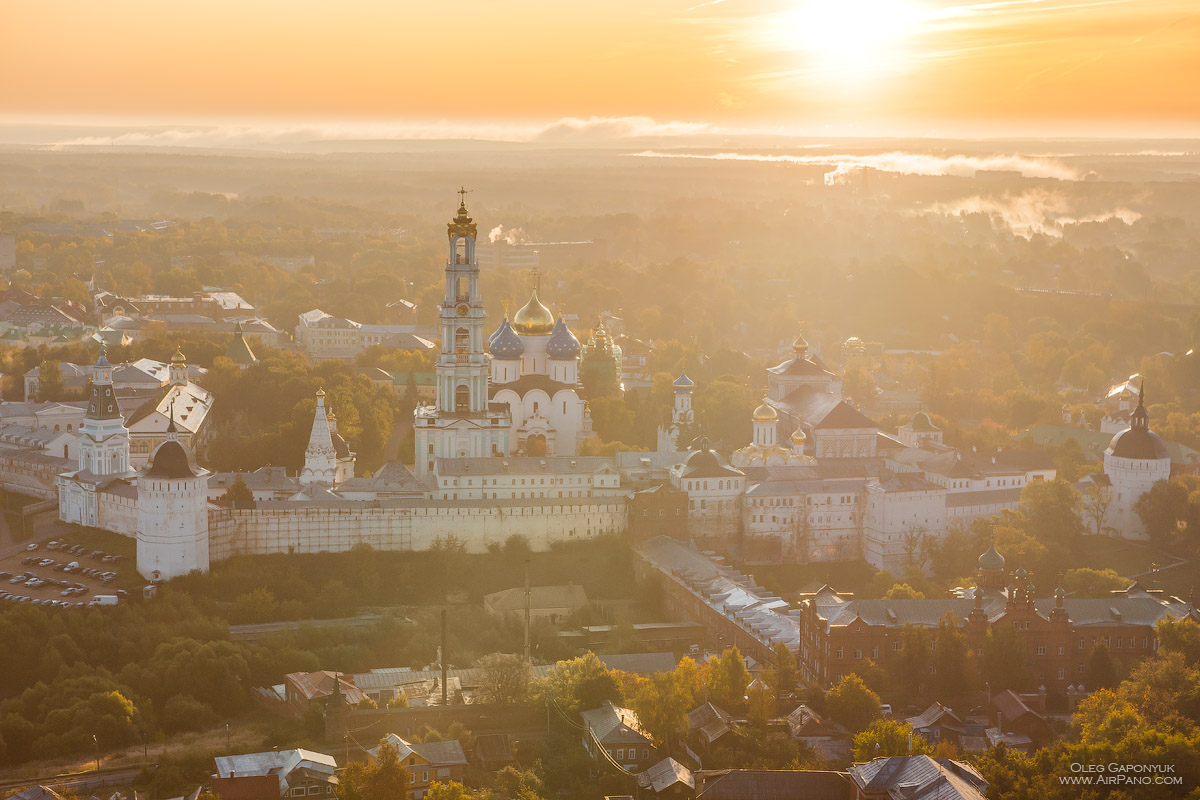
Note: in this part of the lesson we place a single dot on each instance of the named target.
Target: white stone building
(103, 453)
(1135, 460)
(682, 415)
(172, 512)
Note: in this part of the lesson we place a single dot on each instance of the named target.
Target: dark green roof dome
(991, 560)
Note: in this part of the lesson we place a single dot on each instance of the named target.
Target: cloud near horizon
(566, 129)
(900, 162)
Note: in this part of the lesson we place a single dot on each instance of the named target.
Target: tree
(579, 684)
(448, 791)
(1180, 636)
(661, 705)
(50, 381)
(728, 678)
(505, 678)
(851, 703)
(783, 674)
(382, 778)
(1094, 504)
(1162, 508)
(760, 702)
(902, 591)
(1003, 663)
(238, 495)
(1102, 672)
(1087, 582)
(951, 658)
(917, 548)
(399, 701)
(1051, 511)
(886, 738)
(911, 664)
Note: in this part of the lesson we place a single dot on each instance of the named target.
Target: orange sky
(732, 63)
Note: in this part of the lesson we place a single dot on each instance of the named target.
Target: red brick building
(838, 633)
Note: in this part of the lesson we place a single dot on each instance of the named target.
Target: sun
(852, 38)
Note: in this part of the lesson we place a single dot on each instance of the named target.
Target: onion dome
(102, 359)
(173, 461)
(562, 344)
(764, 413)
(534, 319)
(683, 382)
(798, 437)
(1029, 590)
(505, 344)
(1139, 442)
(1060, 592)
(178, 357)
(800, 345)
(1021, 574)
(922, 422)
(991, 560)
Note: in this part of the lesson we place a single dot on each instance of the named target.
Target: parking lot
(62, 574)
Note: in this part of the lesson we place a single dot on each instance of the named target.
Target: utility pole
(528, 604)
(445, 693)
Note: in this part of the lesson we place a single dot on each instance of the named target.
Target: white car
(32, 546)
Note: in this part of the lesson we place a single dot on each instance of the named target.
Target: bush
(185, 713)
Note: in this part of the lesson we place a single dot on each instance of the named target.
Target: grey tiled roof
(615, 725)
(924, 778)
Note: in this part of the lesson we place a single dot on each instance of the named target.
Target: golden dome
(178, 357)
(534, 319)
(798, 437)
(764, 413)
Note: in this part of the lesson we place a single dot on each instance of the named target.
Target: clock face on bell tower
(463, 309)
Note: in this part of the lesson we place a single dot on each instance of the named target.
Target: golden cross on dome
(536, 274)
(462, 193)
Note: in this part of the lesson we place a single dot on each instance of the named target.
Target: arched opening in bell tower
(462, 340)
(462, 398)
(461, 251)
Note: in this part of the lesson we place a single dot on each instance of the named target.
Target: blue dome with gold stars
(562, 344)
(505, 343)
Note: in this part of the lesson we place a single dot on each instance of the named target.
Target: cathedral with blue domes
(535, 374)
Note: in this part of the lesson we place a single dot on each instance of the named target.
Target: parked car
(32, 546)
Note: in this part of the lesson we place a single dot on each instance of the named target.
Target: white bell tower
(681, 415)
(462, 424)
(104, 439)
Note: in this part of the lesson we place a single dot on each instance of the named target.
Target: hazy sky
(1112, 66)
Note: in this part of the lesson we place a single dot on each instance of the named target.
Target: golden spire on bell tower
(462, 224)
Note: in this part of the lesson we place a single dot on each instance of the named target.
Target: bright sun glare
(854, 38)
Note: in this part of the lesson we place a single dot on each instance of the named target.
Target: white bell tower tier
(681, 415)
(462, 424)
(104, 439)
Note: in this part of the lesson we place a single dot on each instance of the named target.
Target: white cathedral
(519, 396)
